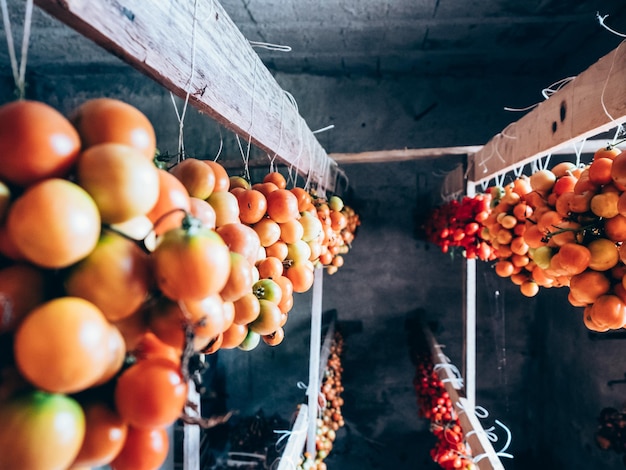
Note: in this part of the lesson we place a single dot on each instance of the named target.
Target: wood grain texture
(194, 48)
(473, 431)
(592, 103)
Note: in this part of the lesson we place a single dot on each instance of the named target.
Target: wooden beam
(473, 431)
(400, 155)
(194, 47)
(592, 103)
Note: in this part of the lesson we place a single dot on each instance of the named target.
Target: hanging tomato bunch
(330, 402)
(115, 271)
(458, 224)
(434, 404)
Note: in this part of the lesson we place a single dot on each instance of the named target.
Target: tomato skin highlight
(151, 393)
(40, 431)
(54, 223)
(36, 142)
(191, 263)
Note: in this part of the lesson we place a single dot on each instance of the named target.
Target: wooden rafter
(195, 48)
(592, 103)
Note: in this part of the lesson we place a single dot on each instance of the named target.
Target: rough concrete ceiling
(388, 37)
(430, 37)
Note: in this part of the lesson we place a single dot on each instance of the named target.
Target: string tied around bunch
(18, 69)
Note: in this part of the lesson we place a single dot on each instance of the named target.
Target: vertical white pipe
(314, 360)
(470, 322)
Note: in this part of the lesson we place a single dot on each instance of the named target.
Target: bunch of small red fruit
(458, 223)
(434, 404)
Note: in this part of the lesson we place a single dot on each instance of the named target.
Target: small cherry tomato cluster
(331, 403)
(611, 431)
(434, 404)
(457, 224)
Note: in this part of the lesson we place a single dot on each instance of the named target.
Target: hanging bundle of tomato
(458, 224)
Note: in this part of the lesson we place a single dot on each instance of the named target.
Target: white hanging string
(19, 70)
(606, 82)
(181, 115)
(578, 151)
(546, 93)
(603, 24)
(269, 46)
(324, 129)
(518, 171)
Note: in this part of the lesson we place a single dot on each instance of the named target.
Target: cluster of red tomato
(457, 224)
(563, 227)
(331, 403)
(114, 271)
(434, 404)
(611, 431)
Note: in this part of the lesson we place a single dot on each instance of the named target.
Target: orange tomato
(268, 320)
(116, 276)
(144, 449)
(150, 394)
(252, 205)
(303, 196)
(589, 285)
(241, 239)
(270, 267)
(282, 205)
(301, 277)
(275, 338)
(105, 433)
(234, 336)
(268, 231)
(226, 208)
(277, 178)
(191, 262)
(102, 120)
(222, 180)
(122, 182)
(54, 223)
(247, 309)
(36, 142)
(75, 345)
(197, 177)
(171, 205)
(202, 210)
(240, 279)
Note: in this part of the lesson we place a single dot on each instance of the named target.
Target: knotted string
(19, 71)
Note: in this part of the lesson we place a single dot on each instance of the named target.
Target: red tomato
(36, 142)
(22, 288)
(151, 393)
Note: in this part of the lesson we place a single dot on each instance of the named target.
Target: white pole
(470, 322)
(314, 361)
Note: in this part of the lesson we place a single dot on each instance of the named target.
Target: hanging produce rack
(194, 50)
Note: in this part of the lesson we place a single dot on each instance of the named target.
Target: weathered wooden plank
(400, 155)
(194, 47)
(592, 103)
(474, 433)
